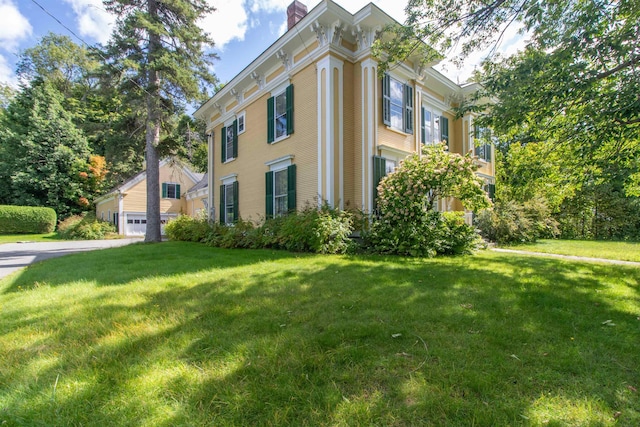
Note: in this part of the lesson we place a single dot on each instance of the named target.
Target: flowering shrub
(407, 222)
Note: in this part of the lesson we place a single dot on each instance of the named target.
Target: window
(280, 191)
(389, 166)
(241, 121)
(280, 115)
(170, 190)
(379, 171)
(435, 127)
(229, 142)
(229, 203)
(490, 189)
(397, 104)
(482, 136)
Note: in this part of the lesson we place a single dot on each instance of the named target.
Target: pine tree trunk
(153, 137)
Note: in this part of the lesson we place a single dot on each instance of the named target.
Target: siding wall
(254, 151)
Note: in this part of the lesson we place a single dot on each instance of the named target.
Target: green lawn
(182, 334)
(13, 238)
(626, 251)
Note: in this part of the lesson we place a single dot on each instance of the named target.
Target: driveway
(14, 256)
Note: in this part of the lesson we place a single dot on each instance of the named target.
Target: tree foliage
(157, 50)
(565, 110)
(44, 157)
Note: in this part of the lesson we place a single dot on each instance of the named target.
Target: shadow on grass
(122, 265)
(490, 340)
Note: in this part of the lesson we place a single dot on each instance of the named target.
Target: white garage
(136, 224)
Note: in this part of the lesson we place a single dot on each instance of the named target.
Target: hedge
(26, 220)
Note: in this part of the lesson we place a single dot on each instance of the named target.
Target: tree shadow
(375, 340)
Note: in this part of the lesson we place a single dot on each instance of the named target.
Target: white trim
(370, 117)
(229, 179)
(280, 162)
(280, 88)
(329, 64)
(393, 151)
(190, 195)
(243, 115)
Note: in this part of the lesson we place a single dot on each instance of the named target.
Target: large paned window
(229, 142)
(170, 190)
(280, 115)
(397, 104)
(229, 203)
(280, 191)
(435, 127)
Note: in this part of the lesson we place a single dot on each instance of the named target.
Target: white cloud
(93, 20)
(6, 73)
(227, 23)
(13, 25)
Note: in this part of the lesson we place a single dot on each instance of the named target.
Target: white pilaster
(369, 129)
(330, 131)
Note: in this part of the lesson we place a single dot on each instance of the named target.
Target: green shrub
(85, 227)
(430, 234)
(188, 229)
(26, 220)
(513, 222)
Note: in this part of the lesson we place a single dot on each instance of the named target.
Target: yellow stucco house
(182, 191)
(310, 121)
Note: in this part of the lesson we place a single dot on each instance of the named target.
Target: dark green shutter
(386, 100)
(291, 188)
(269, 194)
(271, 131)
(235, 139)
(236, 210)
(487, 152)
(476, 131)
(408, 109)
(177, 191)
(223, 145)
(289, 99)
(492, 191)
(423, 130)
(379, 171)
(164, 190)
(444, 129)
(222, 207)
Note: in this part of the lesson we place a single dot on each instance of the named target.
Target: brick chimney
(295, 12)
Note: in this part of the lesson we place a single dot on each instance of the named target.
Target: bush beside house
(26, 220)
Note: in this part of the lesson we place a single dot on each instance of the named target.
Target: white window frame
(433, 124)
(242, 122)
(228, 181)
(283, 94)
(280, 164)
(228, 125)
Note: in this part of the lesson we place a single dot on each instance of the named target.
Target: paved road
(14, 256)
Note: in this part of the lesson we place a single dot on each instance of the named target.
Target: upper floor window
(241, 122)
(434, 127)
(280, 115)
(229, 142)
(397, 104)
(170, 190)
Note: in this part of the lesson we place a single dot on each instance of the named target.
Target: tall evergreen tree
(44, 157)
(158, 49)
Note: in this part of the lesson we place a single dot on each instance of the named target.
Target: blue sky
(241, 29)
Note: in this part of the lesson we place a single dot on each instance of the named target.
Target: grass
(182, 334)
(625, 251)
(13, 238)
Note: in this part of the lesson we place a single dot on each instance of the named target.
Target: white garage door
(136, 225)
